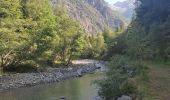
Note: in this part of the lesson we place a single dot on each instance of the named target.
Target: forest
(147, 39)
(33, 37)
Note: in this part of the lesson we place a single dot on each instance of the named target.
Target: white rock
(124, 98)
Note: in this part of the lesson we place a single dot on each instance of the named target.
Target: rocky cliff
(93, 15)
(126, 8)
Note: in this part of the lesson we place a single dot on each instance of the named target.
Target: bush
(120, 78)
(129, 87)
(22, 68)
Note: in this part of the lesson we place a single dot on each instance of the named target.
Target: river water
(73, 89)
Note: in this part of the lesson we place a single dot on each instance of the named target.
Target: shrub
(120, 78)
(129, 87)
(22, 68)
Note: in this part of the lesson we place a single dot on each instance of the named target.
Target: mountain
(93, 15)
(126, 8)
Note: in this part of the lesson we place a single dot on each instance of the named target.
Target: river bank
(12, 81)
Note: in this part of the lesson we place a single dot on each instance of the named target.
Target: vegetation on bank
(34, 36)
(158, 85)
(122, 78)
(146, 39)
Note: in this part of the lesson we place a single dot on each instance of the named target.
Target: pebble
(52, 75)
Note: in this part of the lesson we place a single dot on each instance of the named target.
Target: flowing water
(73, 89)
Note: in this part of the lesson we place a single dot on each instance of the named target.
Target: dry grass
(159, 82)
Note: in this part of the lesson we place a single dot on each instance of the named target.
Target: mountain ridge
(125, 8)
(94, 15)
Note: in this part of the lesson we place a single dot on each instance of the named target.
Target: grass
(143, 81)
(157, 87)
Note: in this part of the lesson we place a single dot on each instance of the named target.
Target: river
(73, 89)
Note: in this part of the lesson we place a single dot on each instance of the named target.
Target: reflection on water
(73, 89)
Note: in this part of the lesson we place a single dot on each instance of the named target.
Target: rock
(98, 66)
(99, 8)
(168, 55)
(79, 72)
(70, 69)
(52, 75)
(124, 98)
(62, 98)
(98, 98)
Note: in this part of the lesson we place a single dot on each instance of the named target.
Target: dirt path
(159, 84)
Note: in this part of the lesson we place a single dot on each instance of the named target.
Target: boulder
(124, 98)
(79, 72)
(62, 98)
(168, 55)
(98, 65)
(98, 98)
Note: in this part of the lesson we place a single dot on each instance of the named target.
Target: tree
(148, 32)
(120, 78)
(27, 31)
(12, 30)
(70, 33)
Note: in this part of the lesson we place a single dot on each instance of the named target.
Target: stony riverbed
(52, 75)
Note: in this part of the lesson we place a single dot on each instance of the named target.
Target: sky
(113, 1)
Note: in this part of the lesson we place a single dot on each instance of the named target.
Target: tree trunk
(2, 64)
(69, 60)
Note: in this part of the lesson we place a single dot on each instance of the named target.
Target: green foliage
(13, 31)
(22, 68)
(44, 34)
(148, 34)
(129, 87)
(115, 43)
(95, 46)
(147, 37)
(71, 41)
(120, 78)
(31, 31)
(138, 44)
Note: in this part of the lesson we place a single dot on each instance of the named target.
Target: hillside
(126, 8)
(93, 15)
